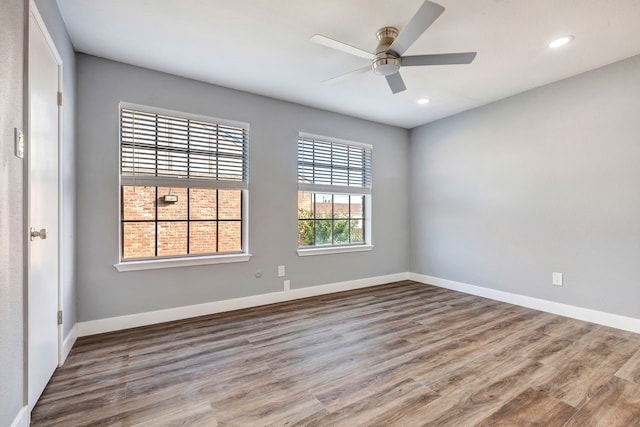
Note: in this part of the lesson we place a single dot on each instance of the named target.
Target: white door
(43, 187)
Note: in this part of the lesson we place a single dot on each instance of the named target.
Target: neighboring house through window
(183, 185)
(334, 194)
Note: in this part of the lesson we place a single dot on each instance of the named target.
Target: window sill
(334, 250)
(153, 264)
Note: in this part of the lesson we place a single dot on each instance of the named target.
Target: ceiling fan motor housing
(386, 61)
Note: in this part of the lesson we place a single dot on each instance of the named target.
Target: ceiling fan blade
(438, 59)
(424, 17)
(395, 82)
(345, 76)
(334, 44)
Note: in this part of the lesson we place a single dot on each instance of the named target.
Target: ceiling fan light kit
(392, 44)
(386, 64)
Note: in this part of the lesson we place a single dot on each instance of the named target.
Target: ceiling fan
(392, 44)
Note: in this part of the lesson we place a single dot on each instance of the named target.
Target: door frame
(33, 11)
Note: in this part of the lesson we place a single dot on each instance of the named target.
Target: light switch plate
(556, 278)
(281, 271)
(19, 138)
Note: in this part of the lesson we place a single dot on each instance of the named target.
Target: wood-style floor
(400, 354)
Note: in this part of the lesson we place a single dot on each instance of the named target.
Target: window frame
(187, 259)
(338, 190)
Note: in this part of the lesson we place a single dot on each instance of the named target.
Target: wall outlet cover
(556, 279)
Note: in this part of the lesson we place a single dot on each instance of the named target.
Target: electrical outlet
(287, 285)
(556, 278)
(281, 271)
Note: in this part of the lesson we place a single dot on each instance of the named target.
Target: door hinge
(60, 317)
(60, 99)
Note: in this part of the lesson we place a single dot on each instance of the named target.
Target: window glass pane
(341, 232)
(138, 203)
(305, 233)
(139, 239)
(172, 210)
(202, 203)
(323, 205)
(324, 231)
(202, 237)
(356, 178)
(357, 203)
(230, 237)
(229, 204)
(357, 231)
(341, 206)
(202, 165)
(305, 205)
(322, 174)
(172, 164)
(172, 238)
(336, 219)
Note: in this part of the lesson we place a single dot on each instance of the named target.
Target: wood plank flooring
(401, 354)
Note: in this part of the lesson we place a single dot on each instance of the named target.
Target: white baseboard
(22, 419)
(68, 342)
(111, 324)
(580, 313)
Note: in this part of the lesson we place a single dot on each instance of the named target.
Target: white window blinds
(333, 166)
(160, 149)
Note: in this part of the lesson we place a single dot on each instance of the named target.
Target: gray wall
(12, 367)
(55, 25)
(103, 292)
(544, 181)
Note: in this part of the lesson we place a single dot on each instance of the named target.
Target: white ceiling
(263, 47)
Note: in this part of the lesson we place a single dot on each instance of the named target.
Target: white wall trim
(70, 339)
(23, 418)
(580, 313)
(99, 326)
(333, 250)
(180, 262)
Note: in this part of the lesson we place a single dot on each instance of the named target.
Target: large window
(183, 185)
(334, 192)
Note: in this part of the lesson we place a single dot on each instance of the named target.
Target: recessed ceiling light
(561, 41)
(423, 101)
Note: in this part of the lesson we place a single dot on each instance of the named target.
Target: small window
(183, 185)
(334, 192)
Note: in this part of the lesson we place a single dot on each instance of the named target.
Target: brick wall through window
(201, 221)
